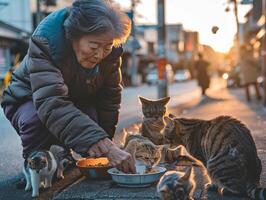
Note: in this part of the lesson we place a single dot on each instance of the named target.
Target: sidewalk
(223, 102)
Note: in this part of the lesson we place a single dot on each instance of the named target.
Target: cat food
(150, 171)
(97, 165)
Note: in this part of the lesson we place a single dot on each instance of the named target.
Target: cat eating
(146, 153)
(226, 148)
(175, 185)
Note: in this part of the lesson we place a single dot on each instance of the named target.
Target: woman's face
(91, 49)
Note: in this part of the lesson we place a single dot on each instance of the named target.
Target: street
(11, 161)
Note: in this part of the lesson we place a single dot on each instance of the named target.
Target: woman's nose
(99, 53)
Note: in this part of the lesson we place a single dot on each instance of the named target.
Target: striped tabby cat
(153, 113)
(175, 185)
(226, 148)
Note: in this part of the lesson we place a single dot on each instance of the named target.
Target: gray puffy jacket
(51, 76)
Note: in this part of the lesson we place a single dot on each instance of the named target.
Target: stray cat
(153, 113)
(146, 153)
(175, 185)
(226, 148)
(63, 159)
(39, 167)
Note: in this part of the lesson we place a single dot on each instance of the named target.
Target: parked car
(152, 76)
(182, 75)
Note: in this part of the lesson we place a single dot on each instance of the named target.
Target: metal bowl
(94, 168)
(136, 180)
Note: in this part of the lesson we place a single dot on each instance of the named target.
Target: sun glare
(195, 15)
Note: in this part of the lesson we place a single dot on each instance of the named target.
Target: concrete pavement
(222, 102)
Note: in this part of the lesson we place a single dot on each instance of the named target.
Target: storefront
(13, 44)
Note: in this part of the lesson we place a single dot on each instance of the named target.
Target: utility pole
(263, 52)
(38, 12)
(161, 52)
(134, 63)
(237, 31)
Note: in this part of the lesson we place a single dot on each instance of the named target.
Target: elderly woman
(67, 89)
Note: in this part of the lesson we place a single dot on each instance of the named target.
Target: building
(15, 28)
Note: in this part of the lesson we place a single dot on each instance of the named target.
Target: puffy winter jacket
(51, 76)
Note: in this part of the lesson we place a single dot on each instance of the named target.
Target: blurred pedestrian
(67, 89)
(249, 71)
(203, 78)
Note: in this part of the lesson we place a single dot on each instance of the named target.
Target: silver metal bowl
(136, 180)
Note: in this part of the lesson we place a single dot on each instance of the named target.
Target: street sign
(161, 63)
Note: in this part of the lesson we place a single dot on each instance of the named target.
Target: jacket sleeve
(109, 97)
(54, 108)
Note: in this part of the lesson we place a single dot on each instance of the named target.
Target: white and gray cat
(40, 167)
(176, 185)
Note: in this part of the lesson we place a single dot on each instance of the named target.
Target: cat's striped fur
(153, 113)
(176, 185)
(226, 148)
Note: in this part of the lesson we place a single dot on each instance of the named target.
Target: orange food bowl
(94, 168)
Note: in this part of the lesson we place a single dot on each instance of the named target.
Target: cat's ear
(144, 100)
(188, 174)
(164, 100)
(168, 120)
(171, 116)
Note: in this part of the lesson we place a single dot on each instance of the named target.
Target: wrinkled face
(91, 49)
(147, 154)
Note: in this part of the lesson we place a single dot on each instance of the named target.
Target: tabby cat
(146, 153)
(226, 148)
(175, 185)
(39, 167)
(153, 113)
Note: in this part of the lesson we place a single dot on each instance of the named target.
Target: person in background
(67, 90)
(203, 78)
(249, 71)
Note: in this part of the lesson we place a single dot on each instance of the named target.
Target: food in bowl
(94, 168)
(141, 179)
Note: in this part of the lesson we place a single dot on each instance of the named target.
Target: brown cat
(226, 148)
(153, 113)
(176, 185)
(146, 153)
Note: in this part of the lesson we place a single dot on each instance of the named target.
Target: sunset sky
(195, 15)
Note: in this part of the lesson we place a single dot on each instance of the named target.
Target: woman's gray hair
(96, 17)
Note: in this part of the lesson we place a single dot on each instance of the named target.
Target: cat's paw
(28, 187)
(60, 176)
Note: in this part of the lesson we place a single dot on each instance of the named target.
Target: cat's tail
(255, 192)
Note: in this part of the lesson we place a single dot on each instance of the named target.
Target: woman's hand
(100, 148)
(118, 158)
(121, 159)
